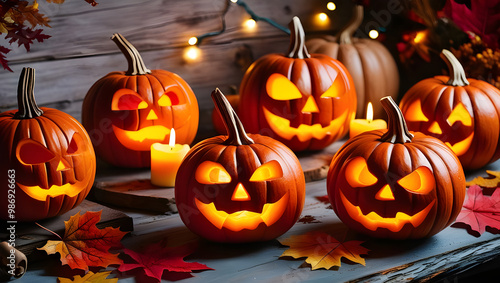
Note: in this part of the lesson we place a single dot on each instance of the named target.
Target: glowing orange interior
(414, 112)
(310, 106)
(461, 147)
(420, 181)
(279, 87)
(460, 113)
(373, 221)
(126, 99)
(210, 172)
(385, 194)
(244, 219)
(336, 90)
(357, 174)
(240, 194)
(268, 171)
(435, 129)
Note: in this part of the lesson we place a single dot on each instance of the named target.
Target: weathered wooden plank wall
(80, 50)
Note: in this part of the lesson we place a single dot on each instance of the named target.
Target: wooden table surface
(446, 253)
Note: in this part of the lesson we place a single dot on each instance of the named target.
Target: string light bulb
(191, 54)
(373, 34)
(322, 16)
(331, 6)
(193, 40)
(250, 23)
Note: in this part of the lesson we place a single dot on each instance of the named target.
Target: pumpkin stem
(346, 34)
(297, 47)
(397, 131)
(28, 108)
(234, 127)
(457, 73)
(136, 65)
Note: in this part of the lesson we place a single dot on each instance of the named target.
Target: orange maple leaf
(492, 181)
(90, 277)
(84, 244)
(24, 12)
(322, 250)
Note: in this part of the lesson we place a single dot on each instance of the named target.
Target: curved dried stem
(26, 96)
(297, 47)
(397, 131)
(136, 65)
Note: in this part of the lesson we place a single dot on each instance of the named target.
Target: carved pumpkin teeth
(373, 221)
(281, 126)
(141, 140)
(237, 221)
(35, 192)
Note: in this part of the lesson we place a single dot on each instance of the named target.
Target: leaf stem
(48, 230)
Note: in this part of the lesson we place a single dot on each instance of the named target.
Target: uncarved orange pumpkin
(239, 187)
(126, 112)
(47, 158)
(371, 65)
(462, 112)
(304, 100)
(395, 183)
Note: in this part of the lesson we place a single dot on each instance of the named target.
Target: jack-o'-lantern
(370, 64)
(304, 100)
(395, 183)
(47, 157)
(463, 113)
(239, 188)
(126, 112)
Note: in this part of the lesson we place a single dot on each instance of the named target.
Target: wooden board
(136, 191)
(29, 236)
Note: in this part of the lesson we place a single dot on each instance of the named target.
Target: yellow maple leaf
(492, 181)
(322, 250)
(90, 277)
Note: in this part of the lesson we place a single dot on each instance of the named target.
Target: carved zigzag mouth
(372, 220)
(281, 126)
(243, 219)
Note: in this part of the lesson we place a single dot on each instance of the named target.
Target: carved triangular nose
(310, 106)
(240, 194)
(385, 193)
(152, 115)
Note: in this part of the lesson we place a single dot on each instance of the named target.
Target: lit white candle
(359, 126)
(165, 161)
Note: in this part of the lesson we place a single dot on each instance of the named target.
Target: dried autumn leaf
(156, 258)
(90, 277)
(29, 13)
(480, 211)
(492, 181)
(3, 60)
(84, 244)
(308, 219)
(322, 250)
(26, 36)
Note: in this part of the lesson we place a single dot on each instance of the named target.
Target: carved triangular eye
(126, 99)
(168, 99)
(30, 152)
(268, 171)
(212, 173)
(459, 113)
(420, 181)
(336, 90)
(280, 88)
(357, 174)
(414, 113)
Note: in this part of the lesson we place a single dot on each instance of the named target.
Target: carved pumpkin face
(455, 126)
(304, 100)
(147, 119)
(396, 184)
(232, 190)
(70, 163)
(126, 112)
(50, 156)
(383, 202)
(463, 113)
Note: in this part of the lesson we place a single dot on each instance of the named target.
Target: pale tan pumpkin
(370, 64)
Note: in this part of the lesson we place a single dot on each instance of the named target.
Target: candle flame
(369, 112)
(171, 141)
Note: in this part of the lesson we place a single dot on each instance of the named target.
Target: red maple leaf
(3, 60)
(84, 244)
(25, 36)
(480, 212)
(156, 258)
